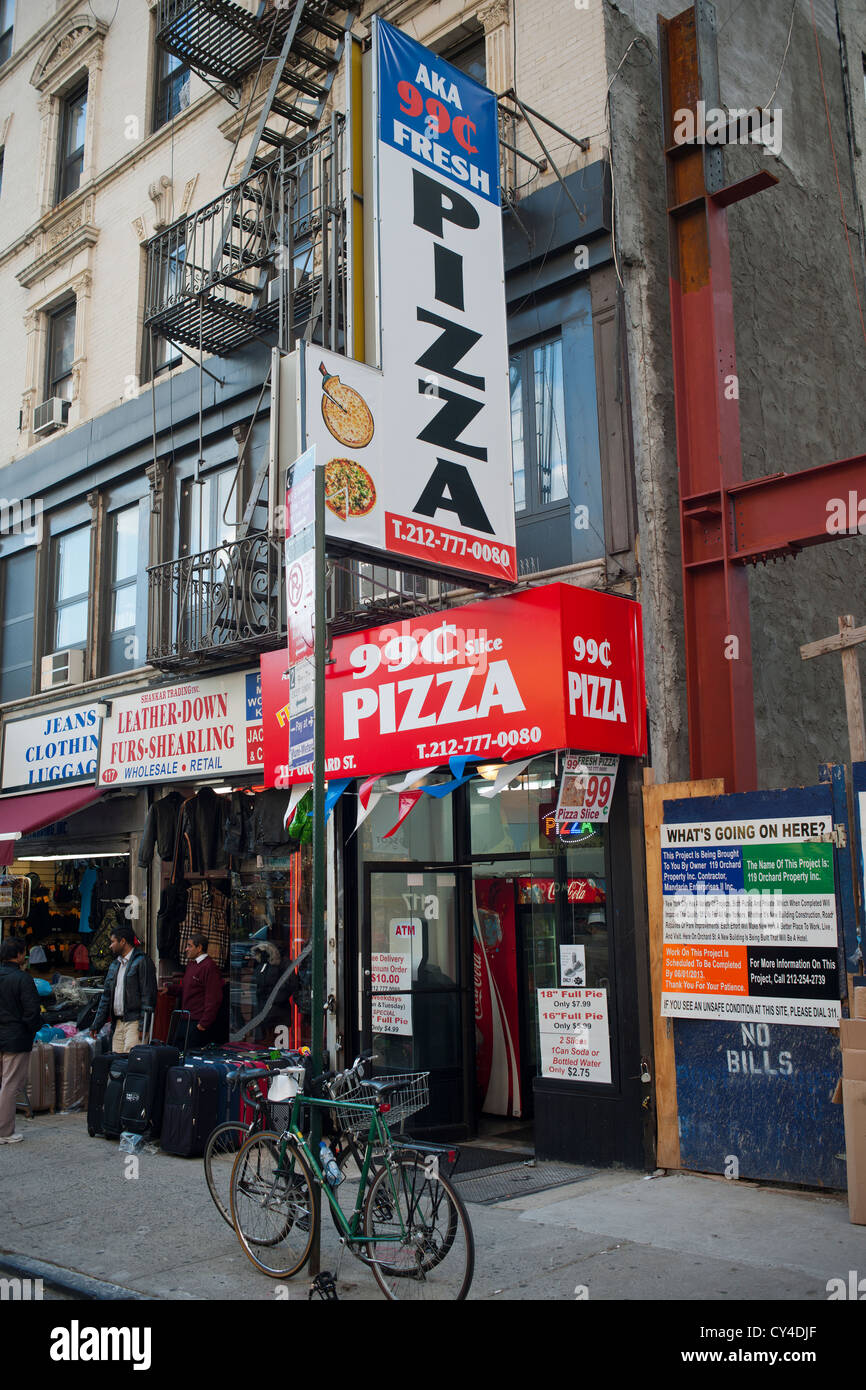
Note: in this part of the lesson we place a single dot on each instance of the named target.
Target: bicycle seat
(384, 1088)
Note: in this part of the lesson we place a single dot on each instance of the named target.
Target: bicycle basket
(412, 1096)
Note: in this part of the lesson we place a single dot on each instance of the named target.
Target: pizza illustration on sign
(349, 489)
(345, 412)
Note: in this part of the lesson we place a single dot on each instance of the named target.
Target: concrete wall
(800, 357)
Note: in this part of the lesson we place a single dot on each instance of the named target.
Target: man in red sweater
(201, 991)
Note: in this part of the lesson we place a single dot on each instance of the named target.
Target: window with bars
(73, 127)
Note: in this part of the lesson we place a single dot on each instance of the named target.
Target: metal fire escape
(266, 260)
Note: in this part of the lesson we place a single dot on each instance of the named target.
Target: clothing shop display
(207, 911)
(203, 822)
(268, 827)
(160, 829)
(239, 825)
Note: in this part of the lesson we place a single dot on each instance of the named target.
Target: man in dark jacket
(130, 990)
(19, 1023)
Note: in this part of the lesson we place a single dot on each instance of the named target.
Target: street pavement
(69, 1201)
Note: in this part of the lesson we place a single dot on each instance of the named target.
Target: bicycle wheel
(420, 1239)
(272, 1204)
(219, 1156)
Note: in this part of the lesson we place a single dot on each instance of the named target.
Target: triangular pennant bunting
(405, 804)
(505, 775)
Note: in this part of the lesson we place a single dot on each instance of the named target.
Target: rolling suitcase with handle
(113, 1098)
(40, 1082)
(191, 1108)
(144, 1087)
(72, 1074)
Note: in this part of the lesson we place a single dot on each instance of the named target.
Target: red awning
(21, 814)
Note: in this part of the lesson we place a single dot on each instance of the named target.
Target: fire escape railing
(224, 601)
(213, 277)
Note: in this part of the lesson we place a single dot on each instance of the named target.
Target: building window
(538, 442)
(71, 589)
(204, 508)
(7, 17)
(124, 532)
(469, 55)
(16, 625)
(73, 124)
(171, 92)
(61, 353)
(165, 287)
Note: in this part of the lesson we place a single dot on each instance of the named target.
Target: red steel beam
(715, 589)
(781, 514)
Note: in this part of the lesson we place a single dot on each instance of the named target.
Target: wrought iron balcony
(224, 602)
(213, 277)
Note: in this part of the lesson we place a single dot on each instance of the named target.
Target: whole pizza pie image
(345, 412)
(349, 489)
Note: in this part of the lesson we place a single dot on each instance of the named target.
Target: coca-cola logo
(110, 774)
(477, 977)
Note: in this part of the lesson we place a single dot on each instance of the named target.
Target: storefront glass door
(412, 981)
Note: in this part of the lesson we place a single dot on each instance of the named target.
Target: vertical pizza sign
(419, 454)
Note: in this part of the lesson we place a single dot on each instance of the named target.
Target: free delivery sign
(444, 456)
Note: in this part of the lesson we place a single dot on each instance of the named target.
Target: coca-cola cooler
(528, 932)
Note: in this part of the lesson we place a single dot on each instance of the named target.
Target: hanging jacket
(160, 828)
(203, 830)
(268, 827)
(239, 825)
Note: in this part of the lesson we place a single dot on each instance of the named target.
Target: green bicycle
(407, 1222)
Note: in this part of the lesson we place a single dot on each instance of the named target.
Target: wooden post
(849, 637)
(667, 1115)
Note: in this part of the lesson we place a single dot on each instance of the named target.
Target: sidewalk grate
(517, 1180)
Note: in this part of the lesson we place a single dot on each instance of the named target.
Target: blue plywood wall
(754, 1100)
(760, 1093)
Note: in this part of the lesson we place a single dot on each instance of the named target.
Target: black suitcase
(99, 1073)
(113, 1099)
(191, 1109)
(144, 1088)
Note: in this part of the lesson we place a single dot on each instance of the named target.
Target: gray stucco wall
(801, 361)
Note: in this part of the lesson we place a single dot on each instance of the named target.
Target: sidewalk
(64, 1199)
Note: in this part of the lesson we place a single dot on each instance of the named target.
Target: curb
(69, 1280)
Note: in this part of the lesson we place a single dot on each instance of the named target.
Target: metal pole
(318, 924)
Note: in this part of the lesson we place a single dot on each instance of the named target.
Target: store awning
(21, 814)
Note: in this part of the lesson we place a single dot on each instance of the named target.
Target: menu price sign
(575, 1039)
(586, 789)
(392, 1013)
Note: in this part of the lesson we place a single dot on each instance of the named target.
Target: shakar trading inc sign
(204, 728)
(418, 457)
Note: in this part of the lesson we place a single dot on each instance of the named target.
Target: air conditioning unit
(50, 415)
(62, 668)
